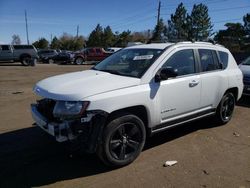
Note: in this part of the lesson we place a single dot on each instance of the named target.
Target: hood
(245, 69)
(79, 85)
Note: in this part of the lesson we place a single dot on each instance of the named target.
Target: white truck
(136, 92)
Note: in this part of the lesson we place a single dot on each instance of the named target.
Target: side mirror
(165, 73)
(220, 65)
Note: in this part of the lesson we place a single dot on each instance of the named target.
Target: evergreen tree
(108, 37)
(159, 32)
(42, 43)
(232, 37)
(95, 37)
(199, 23)
(55, 43)
(177, 25)
(246, 20)
(123, 38)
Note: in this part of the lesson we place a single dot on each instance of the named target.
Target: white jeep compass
(138, 90)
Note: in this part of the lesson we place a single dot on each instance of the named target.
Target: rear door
(5, 53)
(213, 78)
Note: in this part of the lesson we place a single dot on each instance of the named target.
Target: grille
(46, 107)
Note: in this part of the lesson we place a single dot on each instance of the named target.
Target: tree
(232, 37)
(199, 23)
(159, 31)
(123, 39)
(108, 37)
(79, 43)
(68, 42)
(42, 43)
(142, 36)
(95, 37)
(16, 39)
(55, 43)
(177, 25)
(246, 20)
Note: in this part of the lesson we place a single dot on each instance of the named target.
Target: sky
(48, 18)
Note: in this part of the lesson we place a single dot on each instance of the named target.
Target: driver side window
(182, 61)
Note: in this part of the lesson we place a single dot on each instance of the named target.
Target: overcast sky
(47, 17)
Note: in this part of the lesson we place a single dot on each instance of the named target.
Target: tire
(51, 61)
(79, 61)
(225, 109)
(25, 60)
(123, 140)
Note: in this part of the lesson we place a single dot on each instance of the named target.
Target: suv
(136, 92)
(46, 56)
(14, 53)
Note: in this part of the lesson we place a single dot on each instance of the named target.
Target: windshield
(129, 62)
(246, 61)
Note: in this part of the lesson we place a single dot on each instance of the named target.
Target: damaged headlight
(70, 109)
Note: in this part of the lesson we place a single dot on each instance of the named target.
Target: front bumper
(87, 129)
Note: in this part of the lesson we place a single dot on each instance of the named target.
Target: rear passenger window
(223, 58)
(207, 60)
(183, 61)
(5, 47)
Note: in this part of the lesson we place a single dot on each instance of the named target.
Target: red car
(91, 54)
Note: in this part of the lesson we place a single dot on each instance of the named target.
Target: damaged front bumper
(87, 128)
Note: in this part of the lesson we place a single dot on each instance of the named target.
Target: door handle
(193, 83)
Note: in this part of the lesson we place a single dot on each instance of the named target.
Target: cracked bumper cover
(87, 128)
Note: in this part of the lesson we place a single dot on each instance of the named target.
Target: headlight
(70, 109)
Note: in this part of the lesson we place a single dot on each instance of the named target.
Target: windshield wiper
(111, 71)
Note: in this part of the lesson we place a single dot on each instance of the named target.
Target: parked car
(138, 90)
(46, 55)
(91, 54)
(64, 57)
(245, 68)
(113, 49)
(18, 53)
(56, 56)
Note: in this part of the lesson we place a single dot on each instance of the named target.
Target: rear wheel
(225, 109)
(79, 61)
(25, 60)
(123, 140)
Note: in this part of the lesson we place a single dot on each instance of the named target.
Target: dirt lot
(207, 155)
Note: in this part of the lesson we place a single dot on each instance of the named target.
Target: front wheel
(79, 61)
(51, 61)
(225, 109)
(123, 139)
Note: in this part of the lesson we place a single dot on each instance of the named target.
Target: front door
(180, 96)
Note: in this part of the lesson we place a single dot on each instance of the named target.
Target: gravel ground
(207, 155)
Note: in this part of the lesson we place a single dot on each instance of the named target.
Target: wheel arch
(138, 110)
(234, 91)
(24, 55)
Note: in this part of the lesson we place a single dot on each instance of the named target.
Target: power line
(134, 22)
(229, 20)
(232, 8)
(191, 4)
(220, 10)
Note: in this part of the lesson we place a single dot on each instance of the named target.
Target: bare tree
(16, 39)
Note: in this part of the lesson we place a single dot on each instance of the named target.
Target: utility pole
(159, 12)
(27, 33)
(77, 31)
